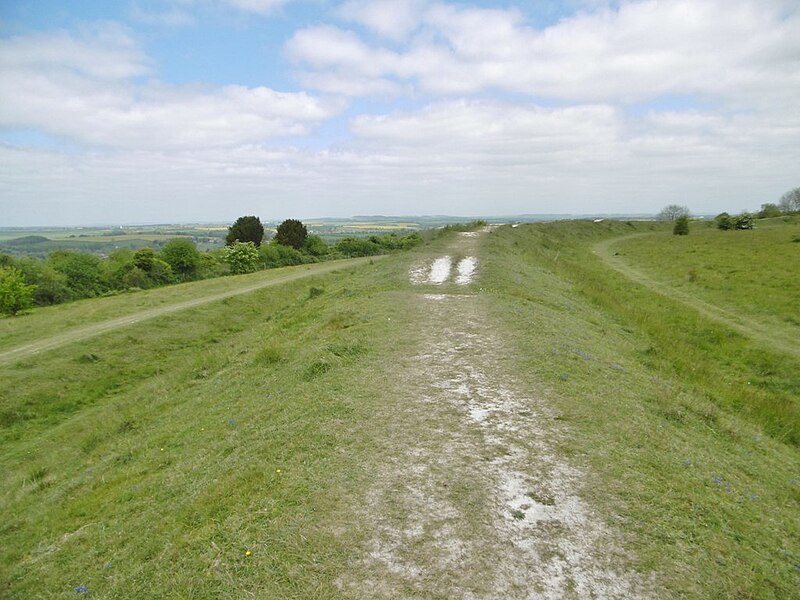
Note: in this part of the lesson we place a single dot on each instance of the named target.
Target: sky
(178, 111)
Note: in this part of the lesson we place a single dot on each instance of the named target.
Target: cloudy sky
(152, 111)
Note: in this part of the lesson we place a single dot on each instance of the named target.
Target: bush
(316, 246)
(681, 226)
(357, 247)
(275, 255)
(15, 294)
(242, 257)
(84, 272)
(743, 221)
(182, 256)
(724, 221)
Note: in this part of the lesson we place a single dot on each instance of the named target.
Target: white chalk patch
(466, 270)
(440, 270)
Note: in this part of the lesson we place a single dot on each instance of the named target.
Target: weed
(316, 368)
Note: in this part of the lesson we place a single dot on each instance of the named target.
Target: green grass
(752, 272)
(690, 430)
(51, 320)
(147, 461)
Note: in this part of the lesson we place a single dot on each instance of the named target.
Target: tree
(769, 210)
(291, 233)
(242, 257)
(724, 221)
(245, 229)
(182, 256)
(790, 201)
(672, 212)
(681, 226)
(15, 294)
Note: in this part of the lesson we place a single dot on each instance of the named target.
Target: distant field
(103, 240)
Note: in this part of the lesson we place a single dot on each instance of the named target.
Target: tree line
(67, 275)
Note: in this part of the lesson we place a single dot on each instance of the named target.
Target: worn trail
(473, 499)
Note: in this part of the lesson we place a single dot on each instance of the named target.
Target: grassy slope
(660, 404)
(233, 391)
(147, 460)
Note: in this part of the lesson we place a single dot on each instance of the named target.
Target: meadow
(223, 451)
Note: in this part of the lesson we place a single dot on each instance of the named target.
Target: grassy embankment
(147, 462)
(691, 429)
(150, 460)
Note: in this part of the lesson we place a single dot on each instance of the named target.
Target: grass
(689, 429)
(60, 318)
(214, 431)
(748, 271)
(147, 462)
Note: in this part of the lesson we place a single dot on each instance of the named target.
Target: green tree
(681, 226)
(15, 294)
(672, 212)
(769, 210)
(245, 229)
(292, 233)
(790, 201)
(242, 257)
(182, 256)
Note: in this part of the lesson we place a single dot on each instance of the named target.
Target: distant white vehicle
(599, 220)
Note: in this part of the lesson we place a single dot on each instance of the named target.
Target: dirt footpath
(473, 500)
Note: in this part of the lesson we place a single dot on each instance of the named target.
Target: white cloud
(393, 19)
(105, 51)
(263, 7)
(81, 89)
(637, 52)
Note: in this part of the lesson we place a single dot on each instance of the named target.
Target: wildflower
(247, 553)
(81, 589)
(278, 471)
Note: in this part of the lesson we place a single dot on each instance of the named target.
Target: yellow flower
(247, 553)
(277, 470)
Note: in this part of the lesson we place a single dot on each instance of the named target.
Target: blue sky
(202, 110)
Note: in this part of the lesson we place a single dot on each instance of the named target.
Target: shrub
(182, 256)
(743, 221)
(15, 294)
(724, 221)
(277, 255)
(242, 257)
(681, 226)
